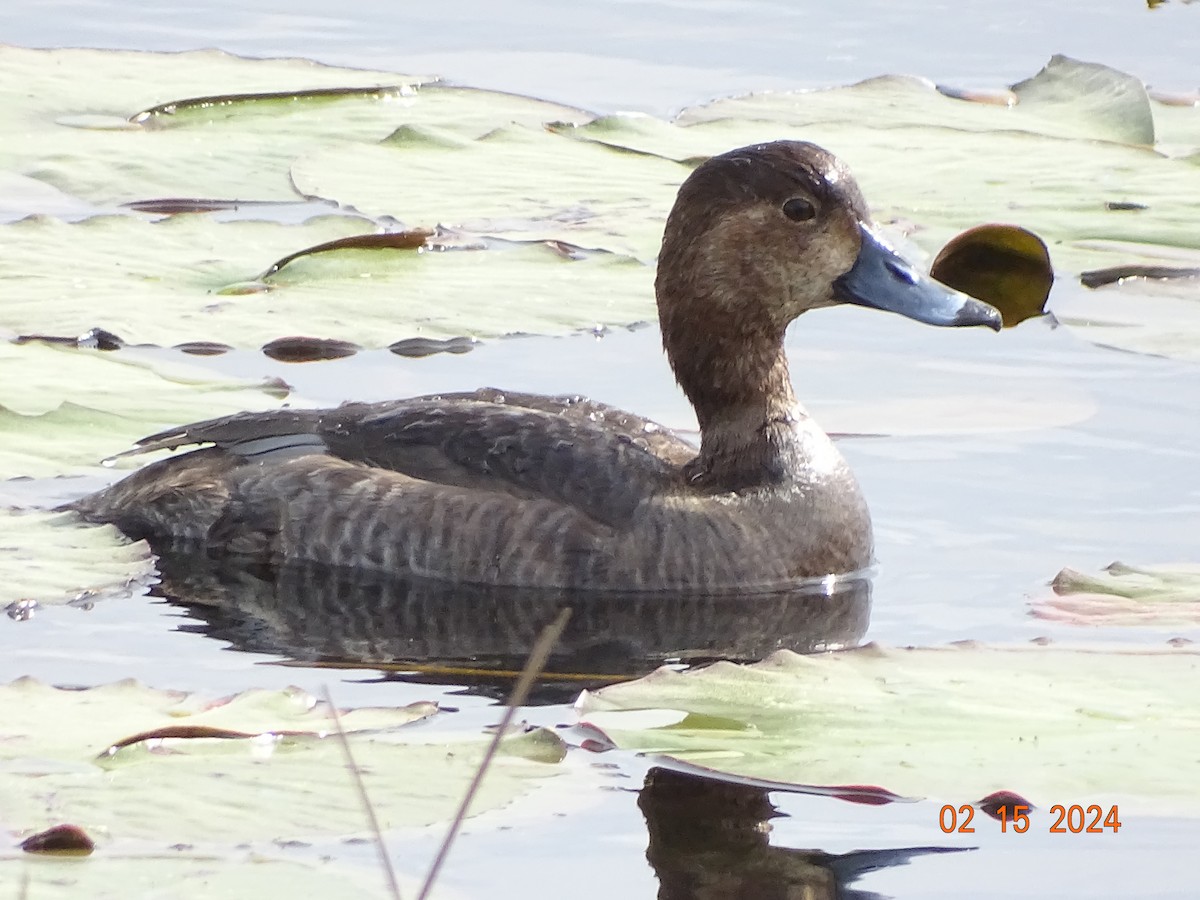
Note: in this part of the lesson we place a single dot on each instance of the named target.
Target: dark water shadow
(433, 632)
(710, 840)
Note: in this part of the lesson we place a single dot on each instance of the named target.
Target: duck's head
(788, 219)
(760, 235)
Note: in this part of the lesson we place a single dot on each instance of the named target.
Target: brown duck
(497, 488)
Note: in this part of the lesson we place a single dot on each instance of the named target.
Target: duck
(562, 492)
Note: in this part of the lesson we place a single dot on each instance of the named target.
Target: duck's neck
(735, 373)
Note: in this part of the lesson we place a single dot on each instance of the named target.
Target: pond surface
(650, 55)
(990, 462)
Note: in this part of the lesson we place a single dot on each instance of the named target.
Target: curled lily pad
(1163, 596)
(1004, 265)
(1087, 100)
(1100, 277)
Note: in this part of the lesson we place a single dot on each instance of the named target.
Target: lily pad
(1070, 159)
(51, 558)
(285, 779)
(62, 409)
(191, 279)
(1163, 596)
(959, 723)
(517, 181)
(110, 127)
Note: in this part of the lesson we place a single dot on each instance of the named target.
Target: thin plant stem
(533, 668)
(364, 798)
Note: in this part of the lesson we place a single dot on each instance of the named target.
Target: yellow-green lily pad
(111, 127)
(188, 279)
(48, 557)
(261, 765)
(957, 723)
(64, 409)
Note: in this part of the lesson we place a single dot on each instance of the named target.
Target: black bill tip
(883, 279)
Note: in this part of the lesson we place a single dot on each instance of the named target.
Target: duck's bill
(883, 279)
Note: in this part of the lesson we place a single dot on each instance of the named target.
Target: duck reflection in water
(480, 636)
(710, 840)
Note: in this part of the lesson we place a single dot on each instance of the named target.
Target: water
(650, 56)
(990, 461)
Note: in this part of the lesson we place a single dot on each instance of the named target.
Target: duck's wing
(595, 458)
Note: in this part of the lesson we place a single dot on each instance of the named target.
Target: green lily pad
(191, 279)
(283, 778)
(64, 409)
(52, 558)
(1070, 159)
(1163, 596)
(111, 127)
(518, 181)
(1054, 725)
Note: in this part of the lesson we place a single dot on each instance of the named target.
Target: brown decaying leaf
(418, 347)
(186, 732)
(1004, 265)
(395, 240)
(992, 804)
(152, 116)
(1100, 277)
(65, 840)
(92, 339)
(170, 206)
(1168, 98)
(202, 348)
(992, 97)
(298, 349)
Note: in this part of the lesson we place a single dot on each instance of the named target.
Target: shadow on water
(710, 840)
(441, 633)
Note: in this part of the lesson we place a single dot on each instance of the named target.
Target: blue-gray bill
(883, 279)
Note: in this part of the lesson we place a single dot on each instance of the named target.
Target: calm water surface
(653, 56)
(990, 461)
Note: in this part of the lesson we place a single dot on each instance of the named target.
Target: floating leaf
(1005, 265)
(958, 723)
(61, 409)
(306, 349)
(392, 240)
(1163, 596)
(1100, 277)
(1087, 100)
(288, 782)
(189, 140)
(52, 558)
(184, 279)
(518, 181)
(63, 840)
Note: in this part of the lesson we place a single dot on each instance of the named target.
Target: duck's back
(485, 488)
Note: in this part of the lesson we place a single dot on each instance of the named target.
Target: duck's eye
(799, 209)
